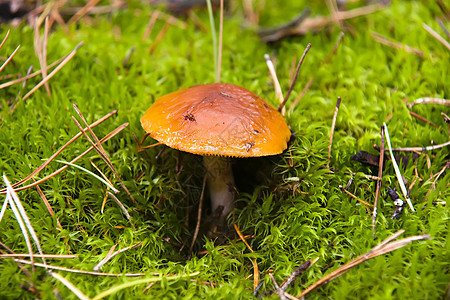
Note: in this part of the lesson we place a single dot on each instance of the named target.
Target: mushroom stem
(220, 183)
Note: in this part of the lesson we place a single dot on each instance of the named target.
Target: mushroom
(217, 120)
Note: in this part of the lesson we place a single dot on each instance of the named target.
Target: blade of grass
(90, 173)
(214, 38)
(397, 170)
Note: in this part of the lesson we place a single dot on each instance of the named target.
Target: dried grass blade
(81, 271)
(111, 255)
(397, 170)
(127, 215)
(62, 64)
(47, 204)
(9, 58)
(70, 286)
(139, 281)
(430, 100)
(333, 124)
(199, 216)
(90, 173)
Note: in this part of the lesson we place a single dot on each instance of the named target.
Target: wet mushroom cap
(217, 119)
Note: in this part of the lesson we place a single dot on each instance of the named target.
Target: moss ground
(291, 221)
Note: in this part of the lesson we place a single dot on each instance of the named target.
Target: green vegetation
(291, 221)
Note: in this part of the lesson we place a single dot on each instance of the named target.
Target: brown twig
(436, 36)
(199, 216)
(353, 196)
(388, 245)
(380, 177)
(333, 124)
(280, 107)
(150, 24)
(396, 45)
(422, 119)
(5, 38)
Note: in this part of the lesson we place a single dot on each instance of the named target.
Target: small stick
(380, 176)
(65, 60)
(295, 78)
(433, 185)
(333, 124)
(396, 45)
(299, 271)
(422, 119)
(397, 170)
(302, 94)
(276, 83)
(429, 148)
(353, 196)
(199, 216)
(429, 100)
(277, 287)
(436, 35)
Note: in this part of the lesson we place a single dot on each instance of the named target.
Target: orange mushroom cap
(217, 119)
